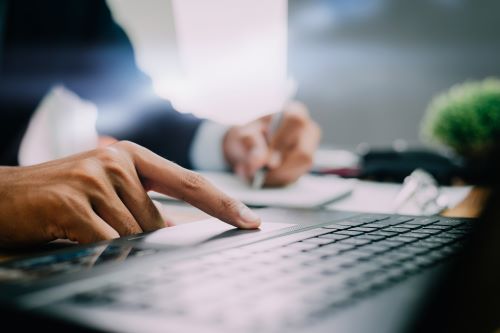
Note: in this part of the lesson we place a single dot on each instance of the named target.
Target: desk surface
(182, 213)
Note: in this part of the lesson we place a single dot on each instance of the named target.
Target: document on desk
(375, 197)
(308, 192)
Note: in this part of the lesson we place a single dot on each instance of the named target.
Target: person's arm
(102, 194)
(86, 51)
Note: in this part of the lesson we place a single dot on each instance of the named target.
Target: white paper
(375, 197)
(308, 192)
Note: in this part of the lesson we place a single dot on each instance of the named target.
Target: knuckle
(227, 204)
(113, 162)
(126, 145)
(192, 181)
(296, 119)
(117, 170)
(107, 155)
(89, 173)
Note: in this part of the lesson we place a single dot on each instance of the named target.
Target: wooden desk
(182, 213)
(471, 206)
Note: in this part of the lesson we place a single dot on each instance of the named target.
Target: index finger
(166, 177)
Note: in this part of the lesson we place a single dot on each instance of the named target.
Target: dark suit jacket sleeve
(88, 53)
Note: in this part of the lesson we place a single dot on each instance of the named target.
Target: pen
(260, 175)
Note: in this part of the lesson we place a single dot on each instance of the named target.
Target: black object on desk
(390, 165)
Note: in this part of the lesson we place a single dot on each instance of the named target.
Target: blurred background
(368, 68)
(365, 68)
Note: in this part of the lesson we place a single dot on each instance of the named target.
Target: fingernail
(275, 159)
(248, 216)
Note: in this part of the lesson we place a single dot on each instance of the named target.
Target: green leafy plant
(466, 118)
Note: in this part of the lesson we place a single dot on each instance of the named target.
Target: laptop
(306, 270)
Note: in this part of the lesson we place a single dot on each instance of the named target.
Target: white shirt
(206, 152)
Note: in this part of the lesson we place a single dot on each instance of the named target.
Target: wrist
(207, 150)
(227, 141)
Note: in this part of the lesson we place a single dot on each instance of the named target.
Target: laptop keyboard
(289, 280)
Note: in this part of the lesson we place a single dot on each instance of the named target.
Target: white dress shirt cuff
(206, 151)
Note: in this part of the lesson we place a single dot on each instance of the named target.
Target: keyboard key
(398, 230)
(428, 231)
(439, 227)
(284, 240)
(390, 243)
(336, 264)
(450, 222)
(366, 267)
(395, 273)
(348, 223)
(410, 226)
(397, 255)
(334, 237)
(402, 239)
(394, 220)
(336, 247)
(302, 246)
(457, 232)
(445, 236)
(436, 240)
(301, 235)
(372, 237)
(422, 261)
(409, 267)
(348, 233)
(372, 225)
(357, 255)
(363, 229)
(425, 220)
(337, 227)
(424, 244)
(383, 233)
(416, 234)
(375, 248)
(355, 241)
(382, 261)
(318, 241)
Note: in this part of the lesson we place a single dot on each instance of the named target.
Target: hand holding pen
(260, 175)
(274, 150)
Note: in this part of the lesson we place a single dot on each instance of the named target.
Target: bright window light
(225, 60)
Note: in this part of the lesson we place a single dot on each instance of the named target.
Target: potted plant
(466, 119)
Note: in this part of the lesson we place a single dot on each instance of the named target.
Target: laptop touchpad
(205, 231)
